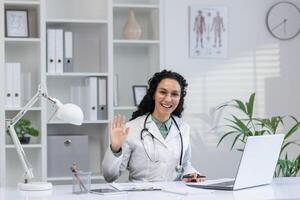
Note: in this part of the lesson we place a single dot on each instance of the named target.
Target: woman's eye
(175, 94)
(163, 92)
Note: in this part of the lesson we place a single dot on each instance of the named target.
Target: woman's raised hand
(117, 132)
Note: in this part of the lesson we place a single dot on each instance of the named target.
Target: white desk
(282, 188)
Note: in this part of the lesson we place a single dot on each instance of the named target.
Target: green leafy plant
(287, 168)
(248, 125)
(23, 128)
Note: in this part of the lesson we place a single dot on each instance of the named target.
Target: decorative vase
(132, 29)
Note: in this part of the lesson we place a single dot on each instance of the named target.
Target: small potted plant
(24, 131)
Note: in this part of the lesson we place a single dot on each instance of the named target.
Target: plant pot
(25, 140)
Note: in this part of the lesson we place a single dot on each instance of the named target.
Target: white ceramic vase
(132, 29)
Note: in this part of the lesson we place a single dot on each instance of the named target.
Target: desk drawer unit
(63, 150)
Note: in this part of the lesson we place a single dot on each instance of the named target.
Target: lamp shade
(69, 113)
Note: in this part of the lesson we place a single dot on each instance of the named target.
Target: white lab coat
(165, 151)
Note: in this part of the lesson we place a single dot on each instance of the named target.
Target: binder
(8, 85)
(51, 50)
(59, 51)
(102, 99)
(68, 60)
(16, 83)
(91, 98)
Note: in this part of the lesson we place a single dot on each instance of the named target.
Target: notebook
(256, 167)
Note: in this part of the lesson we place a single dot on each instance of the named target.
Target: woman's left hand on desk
(193, 177)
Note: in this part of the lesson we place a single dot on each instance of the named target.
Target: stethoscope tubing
(181, 139)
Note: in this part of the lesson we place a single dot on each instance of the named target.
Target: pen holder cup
(81, 182)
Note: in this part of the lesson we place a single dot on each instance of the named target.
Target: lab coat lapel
(153, 129)
(173, 133)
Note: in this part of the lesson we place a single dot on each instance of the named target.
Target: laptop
(256, 167)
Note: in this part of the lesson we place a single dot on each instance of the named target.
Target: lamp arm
(25, 163)
(30, 103)
(11, 128)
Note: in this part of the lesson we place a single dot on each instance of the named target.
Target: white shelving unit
(30, 54)
(99, 50)
(88, 22)
(132, 57)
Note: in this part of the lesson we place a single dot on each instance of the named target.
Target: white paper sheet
(140, 186)
(182, 189)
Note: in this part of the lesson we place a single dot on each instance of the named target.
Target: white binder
(9, 86)
(68, 60)
(16, 97)
(102, 99)
(59, 51)
(91, 98)
(51, 41)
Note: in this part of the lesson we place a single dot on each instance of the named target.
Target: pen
(192, 176)
(75, 173)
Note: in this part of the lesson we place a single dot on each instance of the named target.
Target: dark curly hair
(147, 104)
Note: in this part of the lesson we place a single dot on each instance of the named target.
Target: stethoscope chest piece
(179, 169)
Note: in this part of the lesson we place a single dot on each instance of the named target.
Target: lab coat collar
(153, 129)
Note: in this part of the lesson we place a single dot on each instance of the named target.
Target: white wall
(256, 62)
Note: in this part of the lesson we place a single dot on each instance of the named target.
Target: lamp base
(35, 186)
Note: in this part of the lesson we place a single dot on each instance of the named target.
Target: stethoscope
(179, 167)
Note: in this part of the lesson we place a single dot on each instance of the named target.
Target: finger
(194, 175)
(185, 180)
(123, 121)
(119, 119)
(190, 180)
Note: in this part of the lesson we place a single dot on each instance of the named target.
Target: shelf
(135, 6)
(84, 122)
(22, 3)
(93, 177)
(125, 108)
(17, 40)
(75, 21)
(29, 109)
(76, 74)
(25, 146)
(136, 42)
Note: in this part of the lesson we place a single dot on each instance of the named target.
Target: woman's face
(166, 97)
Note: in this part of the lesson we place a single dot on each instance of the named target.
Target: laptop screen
(259, 161)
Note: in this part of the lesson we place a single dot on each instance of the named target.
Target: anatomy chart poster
(208, 31)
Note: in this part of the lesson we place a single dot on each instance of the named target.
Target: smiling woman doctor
(154, 145)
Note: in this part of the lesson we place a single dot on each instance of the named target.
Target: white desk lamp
(69, 113)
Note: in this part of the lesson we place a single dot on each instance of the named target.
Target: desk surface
(281, 188)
